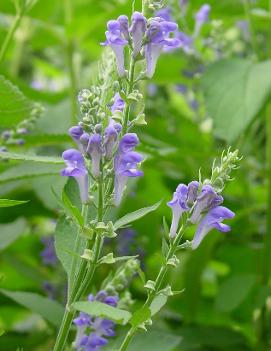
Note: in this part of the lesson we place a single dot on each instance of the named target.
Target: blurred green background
(197, 105)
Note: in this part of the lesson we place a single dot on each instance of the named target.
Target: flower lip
(128, 142)
(76, 132)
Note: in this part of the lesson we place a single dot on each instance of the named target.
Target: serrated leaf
(238, 95)
(14, 106)
(10, 203)
(65, 237)
(32, 158)
(133, 216)
(102, 310)
(49, 309)
(140, 316)
(9, 232)
(158, 302)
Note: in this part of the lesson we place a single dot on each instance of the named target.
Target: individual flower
(212, 220)
(201, 17)
(185, 42)
(118, 104)
(95, 150)
(75, 167)
(157, 40)
(137, 31)
(125, 164)
(164, 13)
(76, 132)
(48, 254)
(124, 26)
(116, 40)
(183, 199)
(111, 133)
(206, 200)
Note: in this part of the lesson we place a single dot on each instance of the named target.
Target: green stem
(70, 61)
(157, 286)
(130, 87)
(9, 36)
(251, 27)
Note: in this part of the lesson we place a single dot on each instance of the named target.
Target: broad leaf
(14, 106)
(32, 158)
(235, 92)
(65, 236)
(10, 232)
(49, 309)
(10, 203)
(140, 316)
(154, 341)
(228, 299)
(72, 210)
(133, 216)
(158, 302)
(102, 310)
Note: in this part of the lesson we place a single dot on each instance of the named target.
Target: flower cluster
(146, 38)
(202, 203)
(103, 144)
(92, 331)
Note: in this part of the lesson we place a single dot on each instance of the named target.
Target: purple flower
(158, 39)
(183, 198)
(124, 26)
(94, 149)
(48, 254)
(201, 17)
(186, 42)
(183, 6)
(75, 167)
(76, 132)
(116, 40)
(244, 28)
(22, 131)
(213, 219)
(206, 200)
(164, 13)
(110, 137)
(137, 30)
(125, 164)
(181, 88)
(118, 104)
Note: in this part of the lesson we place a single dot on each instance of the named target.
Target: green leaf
(235, 91)
(49, 309)
(99, 309)
(14, 106)
(32, 158)
(10, 203)
(158, 302)
(72, 210)
(65, 236)
(10, 232)
(228, 299)
(140, 316)
(154, 341)
(133, 216)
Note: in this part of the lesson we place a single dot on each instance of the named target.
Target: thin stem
(157, 286)
(70, 53)
(251, 27)
(130, 87)
(10, 34)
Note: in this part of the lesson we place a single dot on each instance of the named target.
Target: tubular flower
(116, 40)
(95, 150)
(158, 39)
(125, 164)
(75, 167)
(124, 26)
(201, 17)
(118, 104)
(137, 30)
(206, 200)
(183, 198)
(212, 220)
(110, 137)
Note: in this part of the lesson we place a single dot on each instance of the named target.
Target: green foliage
(10, 232)
(102, 310)
(10, 203)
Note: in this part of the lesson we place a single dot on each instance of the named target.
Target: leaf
(140, 316)
(133, 216)
(10, 203)
(228, 299)
(49, 309)
(10, 232)
(14, 106)
(26, 170)
(158, 302)
(235, 91)
(102, 310)
(32, 158)
(65, 236)
(72, 210)
(154, 341)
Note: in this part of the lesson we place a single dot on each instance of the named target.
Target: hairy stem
(157, 286)
(130, 87)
